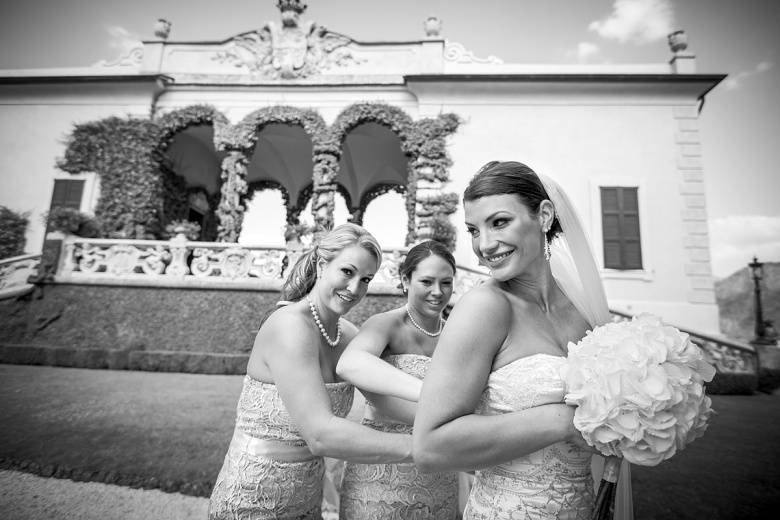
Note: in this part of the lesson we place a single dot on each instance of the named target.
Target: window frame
(646, 272)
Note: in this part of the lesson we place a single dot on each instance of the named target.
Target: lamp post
(757, 270)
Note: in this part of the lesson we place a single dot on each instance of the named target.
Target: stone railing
(14, 272)
(727, 355)
(182, 263)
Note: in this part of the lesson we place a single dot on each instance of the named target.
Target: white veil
(575, 271)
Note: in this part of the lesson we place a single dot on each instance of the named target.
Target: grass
(170, 431)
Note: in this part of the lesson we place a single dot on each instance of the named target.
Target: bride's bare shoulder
(486, 303)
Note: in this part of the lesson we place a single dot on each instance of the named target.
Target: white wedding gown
(552, 483)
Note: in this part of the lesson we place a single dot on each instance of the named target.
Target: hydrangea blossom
(639, 389)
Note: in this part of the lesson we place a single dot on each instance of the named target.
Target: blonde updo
(303, 275)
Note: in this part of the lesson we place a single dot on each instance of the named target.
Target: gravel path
(28, 497)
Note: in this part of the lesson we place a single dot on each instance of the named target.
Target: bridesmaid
(292, 406)
(404, 338)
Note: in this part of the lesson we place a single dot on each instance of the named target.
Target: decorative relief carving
(118, 259)
(457, 53)
(291, 50)
(14, 271)
(131, 58)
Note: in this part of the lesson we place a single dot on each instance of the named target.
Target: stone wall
(178, 330)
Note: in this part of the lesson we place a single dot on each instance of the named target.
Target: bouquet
(639, 390)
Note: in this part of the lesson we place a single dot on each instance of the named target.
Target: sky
(740, 121)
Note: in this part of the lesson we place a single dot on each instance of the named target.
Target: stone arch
(240, 143)
(397, 121)
(175, 126)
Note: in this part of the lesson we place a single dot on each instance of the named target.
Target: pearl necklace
(417, 325)
(316, 316)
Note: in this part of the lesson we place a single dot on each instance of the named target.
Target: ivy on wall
(140, 192)
(120, 151)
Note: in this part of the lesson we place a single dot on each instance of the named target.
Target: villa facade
(326, 122)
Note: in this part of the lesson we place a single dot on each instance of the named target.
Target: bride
(493, 397)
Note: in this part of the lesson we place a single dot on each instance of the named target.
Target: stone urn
(678, 41)
(162, 28)
(432, 27)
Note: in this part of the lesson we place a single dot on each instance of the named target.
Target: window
(67, 194)
(620, 228)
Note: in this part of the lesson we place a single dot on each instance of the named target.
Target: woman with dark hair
(493, 397)
(387, 361)
(292, 406)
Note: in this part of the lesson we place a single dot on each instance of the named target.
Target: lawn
(170, 431)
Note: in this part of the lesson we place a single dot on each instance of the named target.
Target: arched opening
(371, 164)
(282, 157)
(264, 219)
(384, 218)
(192, 170)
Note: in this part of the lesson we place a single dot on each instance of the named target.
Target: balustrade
(14, 272)
(180, 263)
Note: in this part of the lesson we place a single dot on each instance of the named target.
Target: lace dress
(397, 491)
(552, 483)
(269, 471)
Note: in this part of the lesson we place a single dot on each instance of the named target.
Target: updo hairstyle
(303, 275)
(511, 178)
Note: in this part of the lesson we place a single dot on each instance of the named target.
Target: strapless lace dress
(397, 491)
(269, 471)
(552, 483)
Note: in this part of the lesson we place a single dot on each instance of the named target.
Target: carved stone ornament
(293, 50)
(457, 52)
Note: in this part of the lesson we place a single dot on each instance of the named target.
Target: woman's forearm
(370, 373)
(346, 440)
(486, 440)
(394, 408)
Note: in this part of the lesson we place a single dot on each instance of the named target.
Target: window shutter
(67, 194)
(620, 228)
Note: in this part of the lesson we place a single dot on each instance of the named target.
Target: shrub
(69, 220)
(13, 226)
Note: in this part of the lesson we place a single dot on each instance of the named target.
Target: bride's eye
(472, 231)
(500, 222)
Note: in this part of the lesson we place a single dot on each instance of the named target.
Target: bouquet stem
(605, 498)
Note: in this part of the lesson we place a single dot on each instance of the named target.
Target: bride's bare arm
(448, 435)
(361, 365)
(294, 364)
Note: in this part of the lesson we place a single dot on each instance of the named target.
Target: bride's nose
(487, 244)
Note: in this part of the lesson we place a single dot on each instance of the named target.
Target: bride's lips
(495, 260)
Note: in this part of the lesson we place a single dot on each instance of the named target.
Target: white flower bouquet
(639, 390)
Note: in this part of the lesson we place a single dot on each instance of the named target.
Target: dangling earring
(547, 253)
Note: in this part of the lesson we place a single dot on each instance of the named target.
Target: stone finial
(678, 41)
(432, 27)
(291, 5)
(683, 61)
(162, 28)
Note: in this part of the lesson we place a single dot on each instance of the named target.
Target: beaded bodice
(554, 482)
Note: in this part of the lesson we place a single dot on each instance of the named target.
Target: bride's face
(505, 236)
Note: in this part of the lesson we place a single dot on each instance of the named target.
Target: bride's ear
(546, 214)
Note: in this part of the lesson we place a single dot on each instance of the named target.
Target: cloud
(121, 39)
(586, 51)
(735, 81)
(636, 21)
(734, 240)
